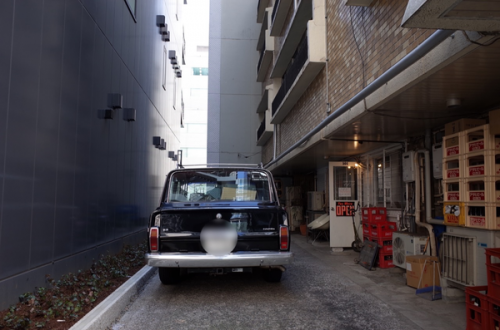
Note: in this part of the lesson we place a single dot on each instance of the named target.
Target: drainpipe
(428, 211)
(274, 141)
(430, 43)
(428, 200)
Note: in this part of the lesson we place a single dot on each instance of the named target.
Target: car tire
(169, 275)
(272, 275)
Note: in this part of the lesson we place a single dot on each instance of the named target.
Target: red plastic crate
(382, 229)
(385, 244)
(374, 214)
(475, 297)
(384, 260)
(366, 229)
(493, 272)
(492, 253)
(477, 318)
(494, 311)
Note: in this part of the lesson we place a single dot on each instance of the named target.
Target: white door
(344, 192)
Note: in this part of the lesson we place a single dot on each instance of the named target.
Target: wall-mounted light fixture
(156, 141)
(172, 57)
(105, 113)
(163, 28)
(160, 21)
(129, 114)
(159, 143)
(115, 100)
(453, 103)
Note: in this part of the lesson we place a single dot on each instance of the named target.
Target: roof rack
(233, 165)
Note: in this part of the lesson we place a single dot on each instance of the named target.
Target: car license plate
(237, 270)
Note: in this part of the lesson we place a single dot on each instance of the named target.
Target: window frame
(134, 11)
(164, 71)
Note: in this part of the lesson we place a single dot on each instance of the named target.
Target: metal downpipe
(430, 43)
(418, 222)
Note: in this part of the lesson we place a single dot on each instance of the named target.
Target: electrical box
(437, 161)
(409, 166)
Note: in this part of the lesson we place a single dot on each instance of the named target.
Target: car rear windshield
(219, 185)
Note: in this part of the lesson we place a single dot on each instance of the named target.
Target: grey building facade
(233, 92)
(72, 185)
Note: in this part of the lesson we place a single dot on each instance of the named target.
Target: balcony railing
(275, 9)
(291, 73)
(260, 58)
(261, 10)
(261, 129)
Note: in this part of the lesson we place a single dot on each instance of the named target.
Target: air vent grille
(459, 258)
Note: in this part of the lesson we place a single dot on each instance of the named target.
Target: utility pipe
(274, 141)
(428, 199)
(427, 170)
(430, 43)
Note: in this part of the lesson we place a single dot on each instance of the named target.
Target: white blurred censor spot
(218, 240)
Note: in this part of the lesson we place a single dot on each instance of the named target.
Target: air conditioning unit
(463, 258)
(405, 244)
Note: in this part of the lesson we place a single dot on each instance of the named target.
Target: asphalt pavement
(320, 290)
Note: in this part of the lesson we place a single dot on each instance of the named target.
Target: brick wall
(267, 151)
(358, 53)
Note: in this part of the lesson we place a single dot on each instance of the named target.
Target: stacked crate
(482, 178)
(493, 271)
(453, 179)
(471, 172)
(377, 229)
(483, 302)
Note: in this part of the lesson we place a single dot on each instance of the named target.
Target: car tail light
(153, 239)
(284, 239)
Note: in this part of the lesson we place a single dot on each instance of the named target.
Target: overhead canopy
(408, 105)
(471, 15)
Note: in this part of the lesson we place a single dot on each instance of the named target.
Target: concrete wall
(73, 186)
(233, 92)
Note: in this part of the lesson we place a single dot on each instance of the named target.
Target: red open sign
(344, 209)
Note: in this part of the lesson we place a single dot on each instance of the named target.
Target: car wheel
(169, 275)
(272, 275)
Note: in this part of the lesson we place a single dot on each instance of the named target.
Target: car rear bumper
(237, 259)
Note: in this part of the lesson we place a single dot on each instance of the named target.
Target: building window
(200, 71)
(174, 94)
(182, 109)
(132, 5)
(183, 47)
(388, 181)
(164, 69)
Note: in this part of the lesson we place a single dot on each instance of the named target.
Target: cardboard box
(495, 122)
(461, 125)
(415, 268)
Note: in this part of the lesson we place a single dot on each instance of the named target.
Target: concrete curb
(106, 313)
